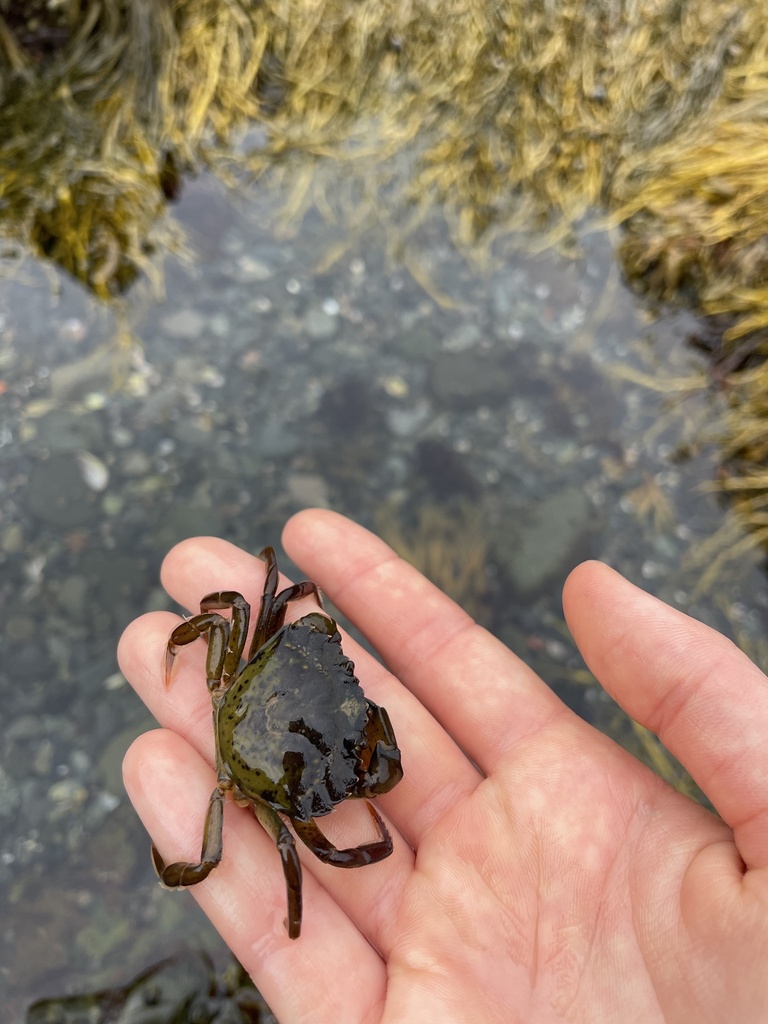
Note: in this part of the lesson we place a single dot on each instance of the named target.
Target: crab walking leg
(268, 592)
(217, 628)
(238, 627)
(382, 755)
(174, 876)
(271, 822)
(272, 615)
(355, 856)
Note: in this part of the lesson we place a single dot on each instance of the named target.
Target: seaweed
(510, 119)
(448, 545)
(513, 116)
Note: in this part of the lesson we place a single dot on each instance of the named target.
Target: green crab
(293, 730)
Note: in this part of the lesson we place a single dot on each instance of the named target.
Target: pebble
(57, 493)
(113, 504)
(250, 269)
(463, 379)
(12, 539)
(42, 758)
(93, 471)
(405, 422)
(544, 537)
(75, 379)
(309, 490)
(74, 597)
(9, 794)
(186, 323)
(463, 338)
(136, 463)
(319, 325)
(67, 794)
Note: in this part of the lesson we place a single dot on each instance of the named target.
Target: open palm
(540, 873)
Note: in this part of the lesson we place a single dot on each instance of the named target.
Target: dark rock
(57, 493)
(468, 379)
(546, 540)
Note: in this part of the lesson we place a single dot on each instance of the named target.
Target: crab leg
(272, 823)
(174, 876)
(355, 856)
(217, 628)
(272, 612)
(238, 628)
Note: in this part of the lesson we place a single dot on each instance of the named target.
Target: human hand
(559, 880)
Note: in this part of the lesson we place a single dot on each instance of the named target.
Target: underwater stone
(57, 493)
(186, 323)
(136, 463)
(466, 379)
(12, 539)
(73, 597)
(463, 338)
(309, 489)
(547, 540)
(75, 380)
(63, 430)
(9, 795)
(319, 325)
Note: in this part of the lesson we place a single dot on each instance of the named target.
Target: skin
(559, 880)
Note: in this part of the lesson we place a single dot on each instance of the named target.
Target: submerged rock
(547, 540)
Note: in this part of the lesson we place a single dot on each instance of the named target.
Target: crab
(294, 733)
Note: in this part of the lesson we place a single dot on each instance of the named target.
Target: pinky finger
(245, 896)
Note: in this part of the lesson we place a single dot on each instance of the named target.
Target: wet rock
(10, 798)
(277, 440)
(74, 597)
(468, 379)
(250, 269)
(111, 576)
(463, 338)
(12, 539)
(109, 769)
(57, 493)
(136, 463)
(20, 629)
(309, 490)
(186, 323)
(94, 472)
(74, 380)
(63, 430)
(419, 342)
(67, 795)
(157, 601)
(350, 409)
(405, 422)
(113, 504)
(547, 540)
(42, 758)
(505, 294)
(319, 324)
(114, 846)
(49, 921)
(443, 472)
(186, 521)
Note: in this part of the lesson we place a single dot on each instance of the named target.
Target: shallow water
(490, 408)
